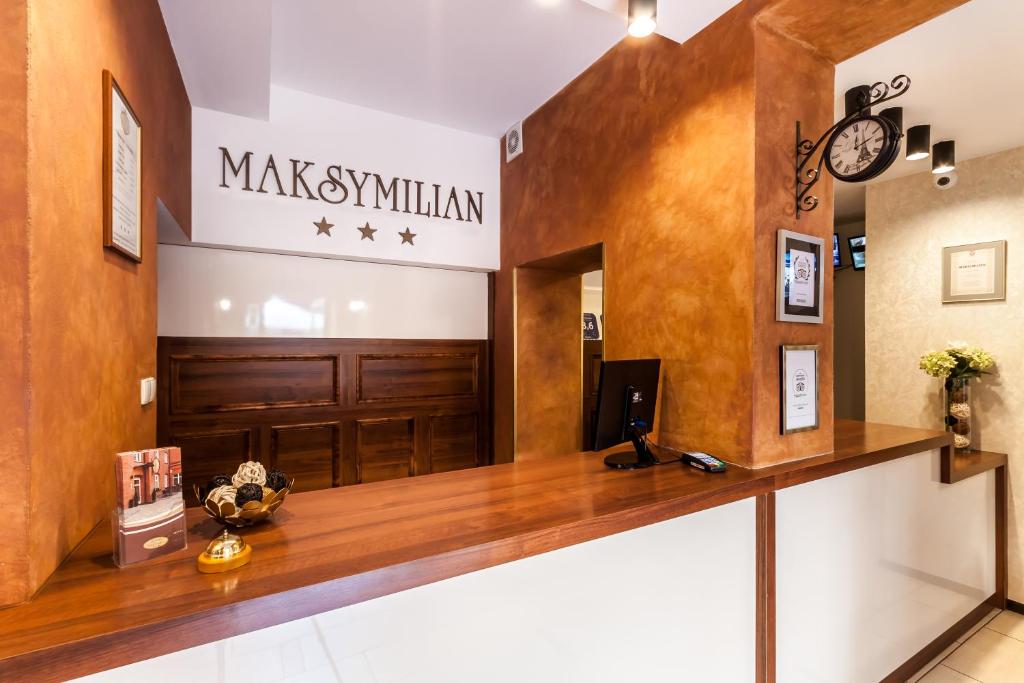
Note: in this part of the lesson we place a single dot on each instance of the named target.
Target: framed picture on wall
(798, 380)
(122, 173)
(974, 272)
(800, 284)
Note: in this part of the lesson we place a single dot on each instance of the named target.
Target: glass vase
(958, 412)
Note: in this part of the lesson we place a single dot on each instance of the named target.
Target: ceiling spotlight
(643, 17)
(894, 114)
(943, 156)
(919, 141)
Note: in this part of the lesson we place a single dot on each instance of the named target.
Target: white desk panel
(874, 564)
(673, 601)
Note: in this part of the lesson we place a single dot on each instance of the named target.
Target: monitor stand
(641, 455)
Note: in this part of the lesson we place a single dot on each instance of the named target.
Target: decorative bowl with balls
(248, 497)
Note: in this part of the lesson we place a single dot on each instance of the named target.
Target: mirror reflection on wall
(593, 347)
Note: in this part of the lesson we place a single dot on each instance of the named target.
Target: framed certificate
(801, 278)
(799, 388)
(122, 173)
(974, 272)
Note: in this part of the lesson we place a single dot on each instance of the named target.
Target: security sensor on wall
(944, 181)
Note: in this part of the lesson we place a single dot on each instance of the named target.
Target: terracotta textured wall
(679, 159)
(840, 29)
(551, 369)
(908, 224)
(13, 301)
(792, 83)
(92, 313)
(648, 153)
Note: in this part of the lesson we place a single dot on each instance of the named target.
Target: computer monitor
(626, 396)
(857, 251)
(837, 256)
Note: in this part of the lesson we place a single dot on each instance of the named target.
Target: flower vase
(958, 412)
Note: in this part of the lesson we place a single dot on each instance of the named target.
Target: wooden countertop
(959, 466)
(327, 549)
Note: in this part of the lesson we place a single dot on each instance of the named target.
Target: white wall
(876, 563)
(206, 292)
(327, 132)
(668, 602)
(908, 224)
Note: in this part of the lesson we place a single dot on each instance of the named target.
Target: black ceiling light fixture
(919, 142)
(944, 156)
(642, 17)
(894, 114)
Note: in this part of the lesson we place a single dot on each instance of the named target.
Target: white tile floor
(992, 652)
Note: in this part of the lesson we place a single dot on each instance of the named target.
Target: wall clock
(862, 149)
(858, 147)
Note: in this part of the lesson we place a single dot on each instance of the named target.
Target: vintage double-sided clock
(858, 147)
(863, 148)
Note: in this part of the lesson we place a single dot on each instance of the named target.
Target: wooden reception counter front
(769, 567)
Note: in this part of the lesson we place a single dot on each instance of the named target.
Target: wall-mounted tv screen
(837, 257)
(857, 247)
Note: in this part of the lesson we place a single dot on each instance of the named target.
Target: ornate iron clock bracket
(808, 173)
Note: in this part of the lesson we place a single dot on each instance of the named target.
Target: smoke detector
(514, 141)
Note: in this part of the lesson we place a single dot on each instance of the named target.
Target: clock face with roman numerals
(862, 149)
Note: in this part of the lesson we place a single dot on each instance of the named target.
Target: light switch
(147, 390)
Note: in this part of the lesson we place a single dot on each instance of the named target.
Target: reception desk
(858, 565)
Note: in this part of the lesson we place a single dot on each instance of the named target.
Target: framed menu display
(122, 173)
(800, 278)
(974, 272)
(799, 388)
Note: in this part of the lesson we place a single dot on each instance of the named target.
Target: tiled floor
(993, 652)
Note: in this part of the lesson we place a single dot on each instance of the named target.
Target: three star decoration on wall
(366, 232)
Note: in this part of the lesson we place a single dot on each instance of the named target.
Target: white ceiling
(475, 65)
(967, 73)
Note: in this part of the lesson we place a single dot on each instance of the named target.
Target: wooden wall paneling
(308, 452)
(210, 453)
(421, 445)
(395, 377)
(453, 442)
(384, 449)
(349, 463)
(348, 375)
(219, 383)
(485, 399)
(359, 410)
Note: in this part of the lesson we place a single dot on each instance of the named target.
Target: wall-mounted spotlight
(643, 17)
(943, 156)
(919, 142)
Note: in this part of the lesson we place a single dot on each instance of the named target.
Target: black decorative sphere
(277, 480)
(248, 492)
(217, 481)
